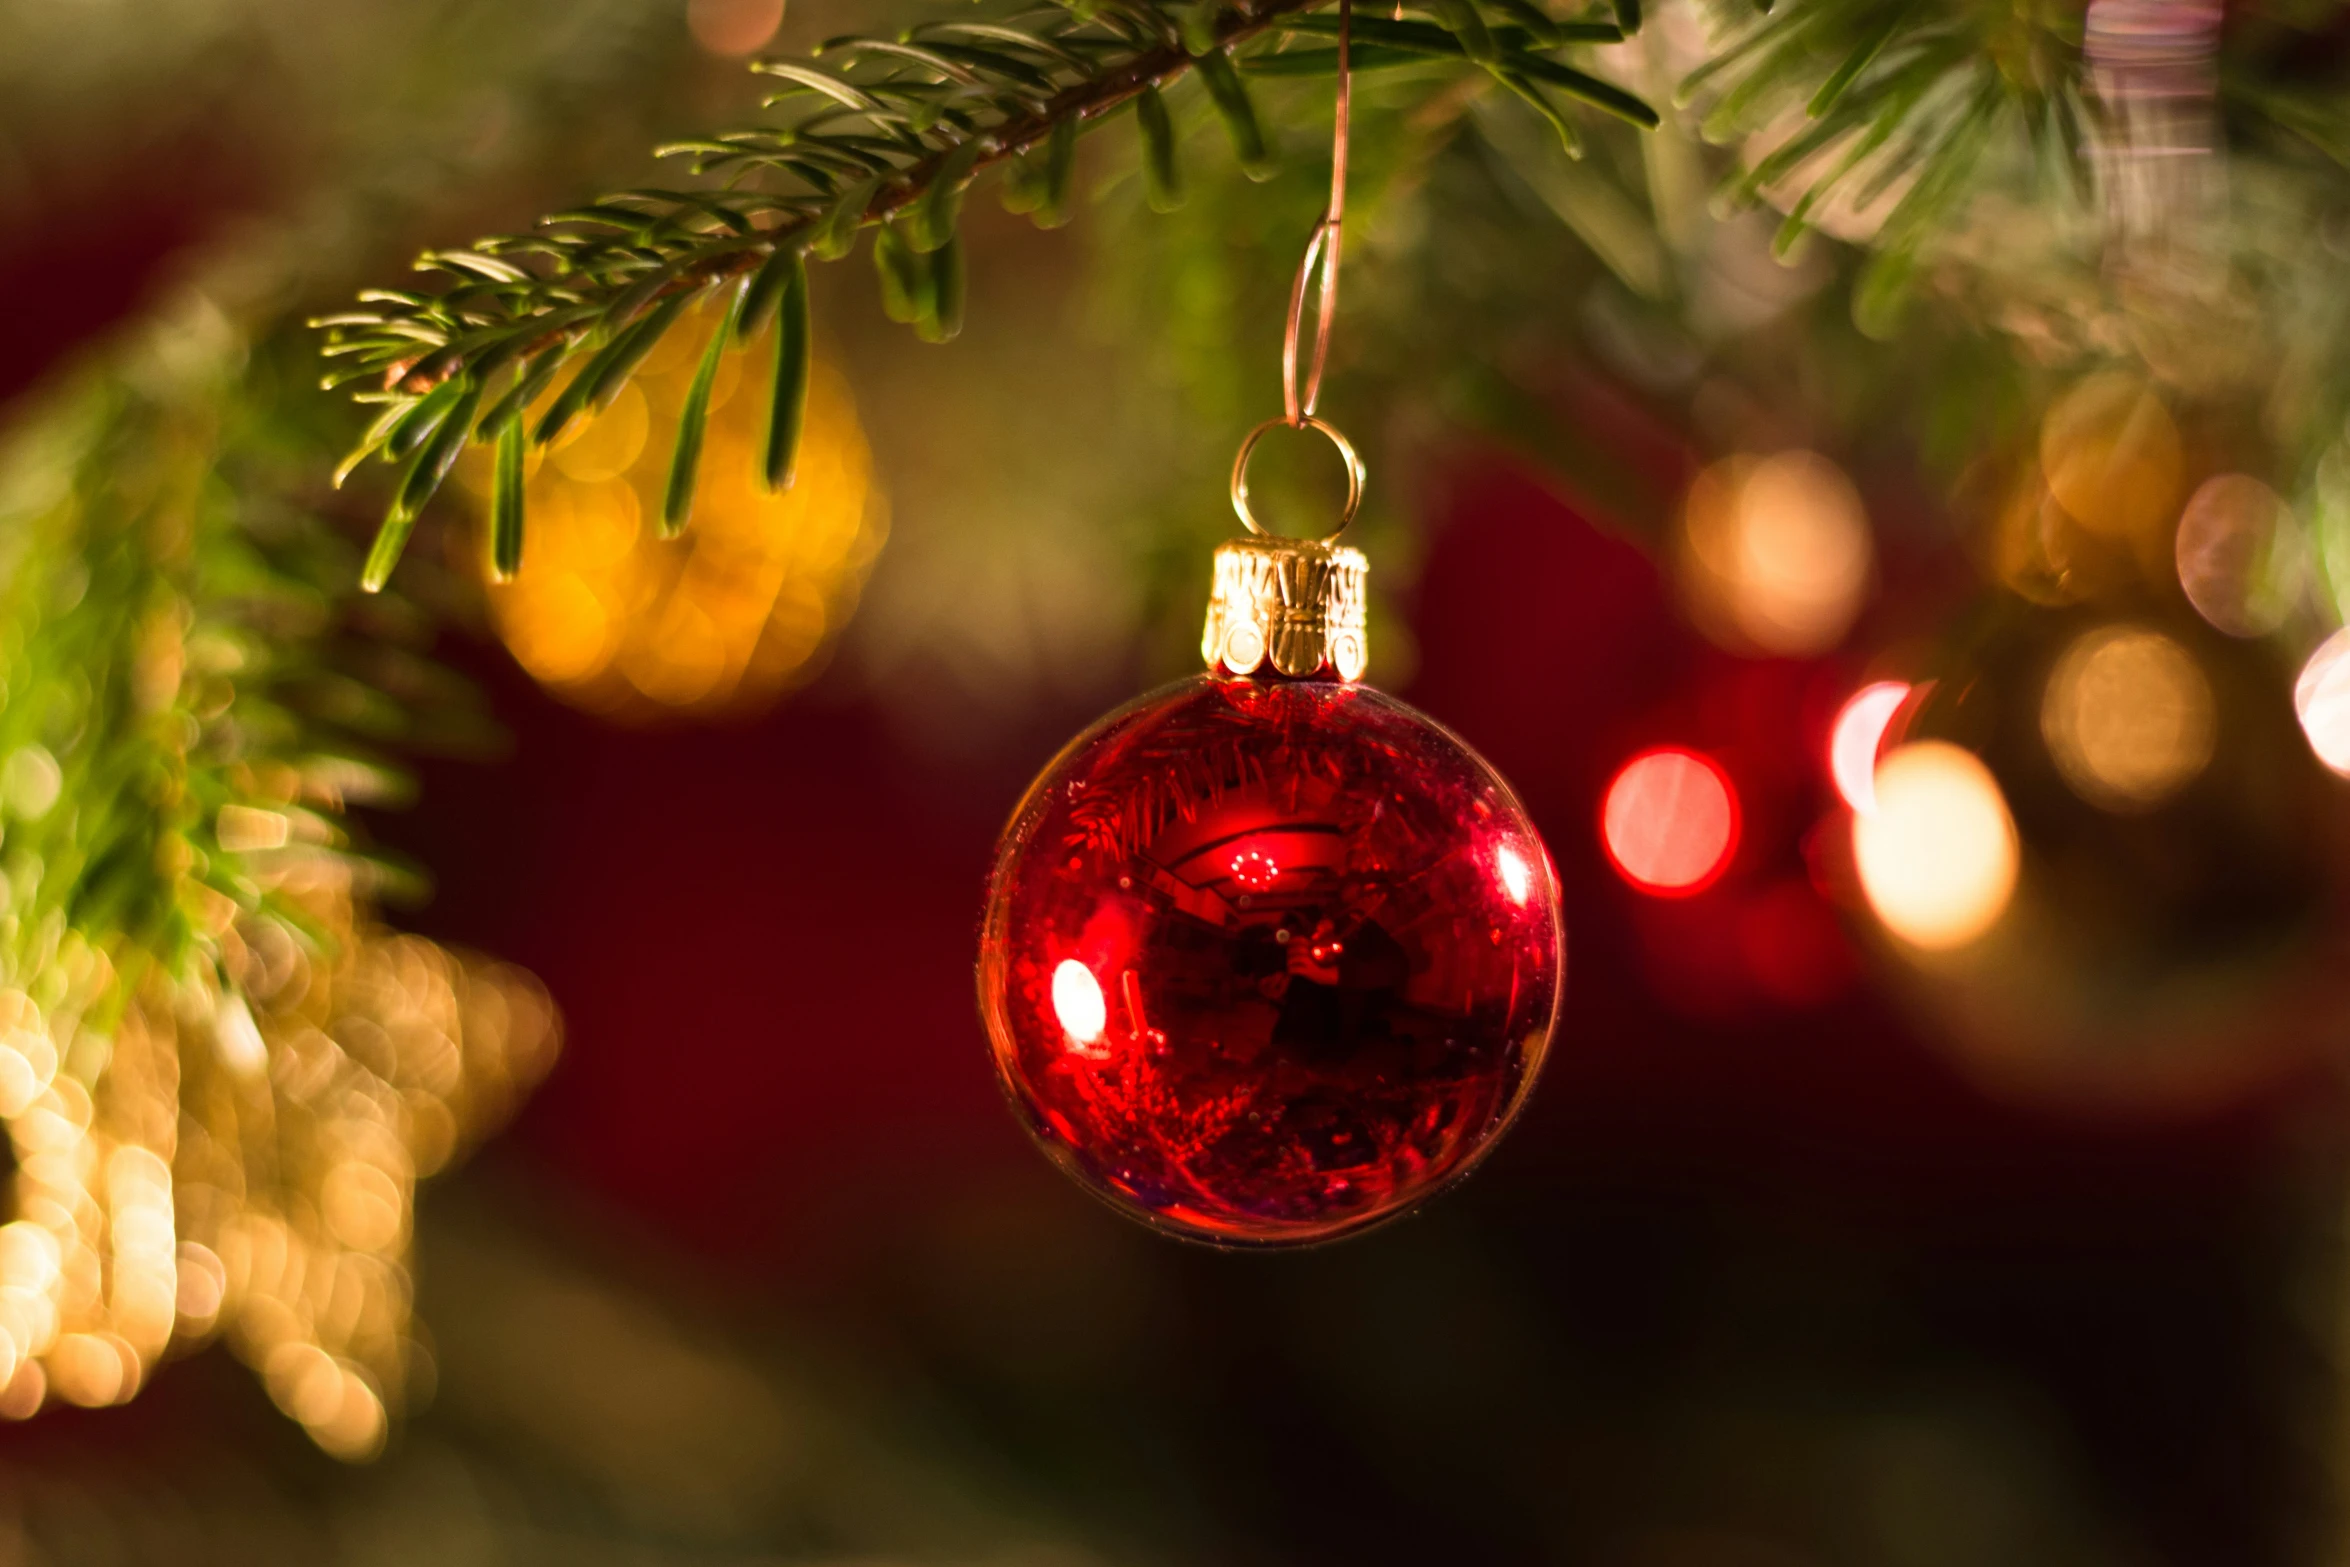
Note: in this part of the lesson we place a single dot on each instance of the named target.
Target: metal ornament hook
(1321, 262)
(1356, 476)
(1322, 252)
(1297, 403)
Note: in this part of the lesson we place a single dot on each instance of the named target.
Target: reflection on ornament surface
(2128, 718)
(1937, 857)
(1269, 962)
(1670, 822)
(736, 610)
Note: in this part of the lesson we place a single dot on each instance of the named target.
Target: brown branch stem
(1085, 100)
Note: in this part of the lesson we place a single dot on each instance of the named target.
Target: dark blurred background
(1784, 1267)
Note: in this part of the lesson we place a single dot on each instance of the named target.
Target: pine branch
(214, 674)
(892, 135)
(1894, 95)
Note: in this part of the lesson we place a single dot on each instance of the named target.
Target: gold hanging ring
(1355, 475)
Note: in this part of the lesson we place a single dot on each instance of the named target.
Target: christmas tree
(1869, 476)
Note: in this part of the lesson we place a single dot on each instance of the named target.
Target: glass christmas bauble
(1266, 961)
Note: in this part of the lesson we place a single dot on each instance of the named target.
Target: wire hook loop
(1355, 473)
(1323, 250)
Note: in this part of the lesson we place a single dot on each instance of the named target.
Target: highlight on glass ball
(1269, 962)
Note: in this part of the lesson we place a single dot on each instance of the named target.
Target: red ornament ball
(1267, 962)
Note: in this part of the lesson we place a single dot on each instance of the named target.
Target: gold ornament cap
(1295, 604)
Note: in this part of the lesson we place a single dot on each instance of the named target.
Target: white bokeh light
(1938, 857)
(2322, 697)
(1858, 734)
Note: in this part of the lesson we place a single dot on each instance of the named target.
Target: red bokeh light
(1670, 822)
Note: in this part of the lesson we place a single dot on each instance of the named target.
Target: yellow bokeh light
(608, 445)
(733, 28)
(1938, 856)
(2128, 717)
(735, 611)
(2034, 546)
(1776, 553)
(89, 1369)
(2111, 456)
(242, 1161)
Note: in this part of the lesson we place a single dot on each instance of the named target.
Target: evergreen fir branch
(884, 134)
(1888, 92)
(183, 658)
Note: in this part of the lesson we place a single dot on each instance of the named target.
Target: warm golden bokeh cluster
(1775, 554)
(736, 610)
(236, 1155)
(2116, 521)
(2107, 509)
